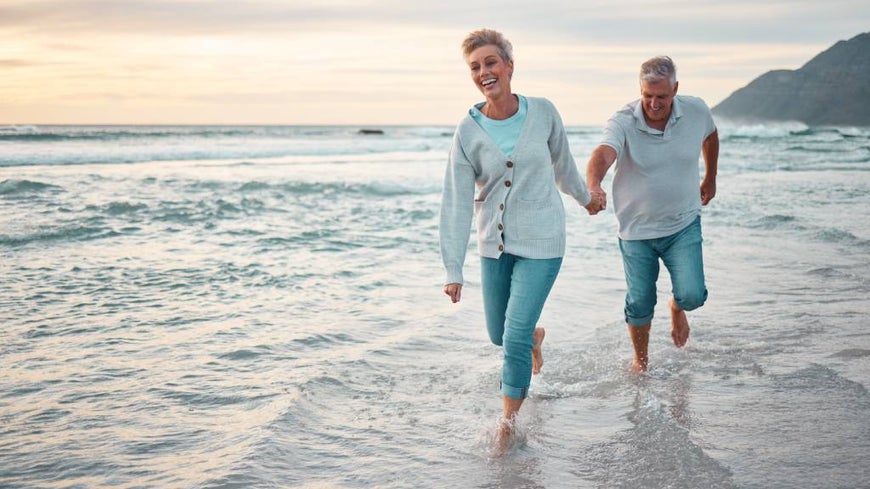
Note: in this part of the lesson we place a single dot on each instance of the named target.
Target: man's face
(657, 98)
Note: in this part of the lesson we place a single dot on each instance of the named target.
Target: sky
(381, 62)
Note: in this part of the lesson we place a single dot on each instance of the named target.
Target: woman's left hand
(454, 291)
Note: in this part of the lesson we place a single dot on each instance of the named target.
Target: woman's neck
(501, 108)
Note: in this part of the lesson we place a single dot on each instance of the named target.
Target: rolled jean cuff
(638, 321)
(514, 392)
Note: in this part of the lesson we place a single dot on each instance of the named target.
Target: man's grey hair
(486, 37)
(658, 69)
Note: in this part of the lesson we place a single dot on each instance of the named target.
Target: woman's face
(490, 72)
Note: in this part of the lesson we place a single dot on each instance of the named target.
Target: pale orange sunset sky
(380, 61)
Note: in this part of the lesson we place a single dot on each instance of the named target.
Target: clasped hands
(598, 202)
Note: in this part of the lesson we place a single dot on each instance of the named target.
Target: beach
(261, 306)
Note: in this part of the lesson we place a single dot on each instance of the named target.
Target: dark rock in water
(370, 131)
(832, 89)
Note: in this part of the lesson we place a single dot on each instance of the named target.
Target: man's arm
(602, 158)
(710, 150)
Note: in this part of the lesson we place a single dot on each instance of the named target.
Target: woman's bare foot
(537, 355)
(679, 325)
(503, 437)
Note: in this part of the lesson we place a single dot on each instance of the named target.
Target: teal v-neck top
(504, 132)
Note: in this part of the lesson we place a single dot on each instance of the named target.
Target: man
(655, 142)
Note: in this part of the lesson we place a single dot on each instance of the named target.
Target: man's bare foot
(679, 325)
(537, 355)
(640, 341)
(637, 366)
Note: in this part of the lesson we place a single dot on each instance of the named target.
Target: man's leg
(641, 264)
(683, 258)
(640, 341)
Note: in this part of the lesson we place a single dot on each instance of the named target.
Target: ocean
(261, 307)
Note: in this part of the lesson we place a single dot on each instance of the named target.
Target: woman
(514, 150)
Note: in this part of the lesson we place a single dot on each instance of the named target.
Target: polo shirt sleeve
(708, 119)
(614, 136)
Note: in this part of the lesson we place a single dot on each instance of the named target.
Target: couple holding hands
(509, 161)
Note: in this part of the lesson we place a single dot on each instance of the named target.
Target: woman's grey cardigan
(519, 210)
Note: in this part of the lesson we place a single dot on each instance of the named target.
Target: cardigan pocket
(538, 219)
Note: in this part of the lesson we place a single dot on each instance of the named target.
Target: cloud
(14, 63)
(610, 21)
(196, 17)
(396, 61)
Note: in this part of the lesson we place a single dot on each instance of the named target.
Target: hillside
(833, 88)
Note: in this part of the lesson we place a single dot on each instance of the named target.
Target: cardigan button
(500, 227)
(510, 164)
(500, 247)
(507, 183)
(501, 207)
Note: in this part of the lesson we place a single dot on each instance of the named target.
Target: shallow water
(261, 307)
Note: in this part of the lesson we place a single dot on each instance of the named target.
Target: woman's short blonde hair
(486, 37)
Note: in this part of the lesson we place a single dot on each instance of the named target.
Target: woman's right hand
(454, 291)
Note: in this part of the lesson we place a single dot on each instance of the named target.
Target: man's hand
(708, 191)
(598, 202)
(710, 150)
(602, 158)
(454, 291)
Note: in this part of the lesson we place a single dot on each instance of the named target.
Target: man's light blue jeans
(682, 256)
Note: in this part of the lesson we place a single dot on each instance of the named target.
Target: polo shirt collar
(640, 120)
